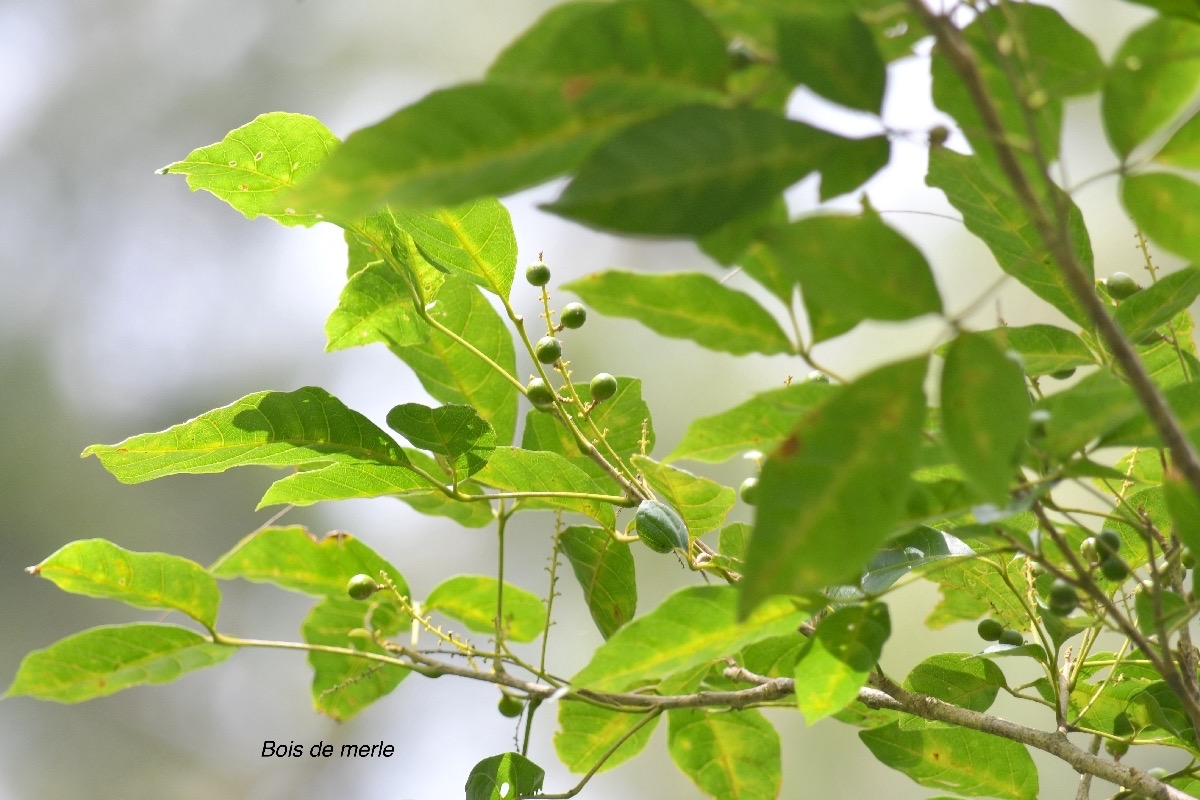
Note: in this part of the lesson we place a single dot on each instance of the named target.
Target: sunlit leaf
(838, 658)
(1161, 204)
(474, 240)
(586, 733)
(471, 599)
(344, 685)
(702, 502)
(512, 469)
(726, 754)
(375, 306)
(604, 568)
(504, 776)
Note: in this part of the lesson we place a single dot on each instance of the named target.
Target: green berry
(1158, 773)
(1116, 748)
(539, 393)
(990, 629)
(1188, 559)
(1089, 550)
(1120, 286)
(1010, 637)
(1063, 598)
(1062, 374)
(602, 387)
(748, 491)
(1114, 568)
(510, 706)
(548, 349)
(1108, 542)
(537, 273)
(573, 315)
(816, 376)
(660, 528)
(360, 587)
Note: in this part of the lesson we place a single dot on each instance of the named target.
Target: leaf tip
(36, 569)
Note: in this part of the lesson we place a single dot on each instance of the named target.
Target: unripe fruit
(539, 393)
(603, 387)
(1062, 598)
(1120, 286)
(1089, 550)
(1108, 542)
(548, 349)
(1062, 374)
(990, 629)
(573, 315)
(537, 273)
(1010, 637)
(1158, 773)
(1114, 568)
(510, 706)
(360, 587)
(659, 527)
(748, 491)
(816, 376)
(1188, 559)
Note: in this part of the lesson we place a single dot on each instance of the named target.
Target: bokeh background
(128, 304)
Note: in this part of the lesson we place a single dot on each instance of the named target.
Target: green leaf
(1157, 304)
(379, 238)
(1044, 349)
(344, 685)
(1184, 507)
(277, 429)
(105, 660)
(916, 549)
(995, 216)
(974, 587)
(1154, 76)
(252, 167)
(959, 760)
(375, 306)
(985, 413)
(1171, 612)
(453, 431)
(1189, 9)
(99, 568)
(658, 177)
(512, 469)
(1162, 205)
(691, 626)
(346, 482)
(733, 540)
(604, 568)
(586, 733)
(957, 678)
(653, 42)
(471, 599)
(1089, 409)
(1183, 148)
(294, 559)
(686, 305)
(513, 773)
(837, 660)
(831, 493)
(835, 259)
(832, 51)
(452, 374)
(703, 503)
(474, 240)
(726, 753)
(758, 424)
(1139, 431)
(621, 417)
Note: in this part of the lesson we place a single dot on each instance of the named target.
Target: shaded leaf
(918, 548)
(1162, 205)
(471, 599)
(1086, 411)
(344, 685)
(1184, 508)
(957, 678)
(511, 772)
(455, 432)
(1044, 349)
(829, 49)
(1183, 148)
(1157, 304)
(726, 754)
(604, 568)
(838, 659)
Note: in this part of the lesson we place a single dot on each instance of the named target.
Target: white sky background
(144, 304)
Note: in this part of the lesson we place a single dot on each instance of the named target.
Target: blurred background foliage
(128, 305)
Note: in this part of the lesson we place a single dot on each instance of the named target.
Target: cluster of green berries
(548, 349)
(991, 630)
(1104, 549)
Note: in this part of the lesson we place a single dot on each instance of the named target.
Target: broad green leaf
(985, 413)
(692, 626)
(831, 493)
(276, 429)
(835, 259)
(732, 754)
(730, 243)
(379, 238)
(1088, 410)
(474, 240)
(102, 661)
(1184, 507)
(954, 759)
(686, 305)
(654, 42)
(454, 431)
(512, 469)
(703, 503)
(344, 482)
(1139, 431)
(1043, 348)
(621, 418)
(957, 678)
(1183, 148)
(734, 539)
(838, 659)
(471, 599)
(919, 548)
(829, 49)
(375, 306)
(758, 424)
(1162, 205)
(505, 776)
(604, 568)
(1189, 9)
(452, 374)
(344, 685)
(1154, 76)
(991, 212)
(99, 568)
(1159, 303)
(658, 177)
(253, 166)
(1171, 611)
(294, 559)
(774, 658)
(586, 733)
(975, 587)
